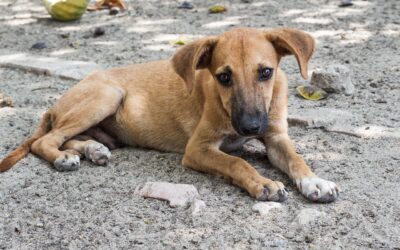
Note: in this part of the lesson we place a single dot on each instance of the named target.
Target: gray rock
(75, 70)
(39, 45)
(333, 79)
(320, 117)
(339, 121)
(186, 5)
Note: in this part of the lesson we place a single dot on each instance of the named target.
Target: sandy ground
(95, 208)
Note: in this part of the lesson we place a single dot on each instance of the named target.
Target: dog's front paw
(67, 162)
(97, 153)
(273, 191)
(317, 189)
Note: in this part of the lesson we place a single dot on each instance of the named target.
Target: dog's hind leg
(91, 149)
(77, 111)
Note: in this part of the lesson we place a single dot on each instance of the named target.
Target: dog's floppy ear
(293, 42)
(195, 55)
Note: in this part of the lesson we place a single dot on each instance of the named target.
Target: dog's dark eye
(224, 79)
(265, 74)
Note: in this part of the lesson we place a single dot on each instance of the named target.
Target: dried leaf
(312, 93)
(217, 9)
(180, 41)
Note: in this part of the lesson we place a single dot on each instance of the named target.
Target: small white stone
(197, 206)
(40, 224)
(264, 207)
(176, 194)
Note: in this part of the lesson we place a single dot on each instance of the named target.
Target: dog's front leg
(202, 154)
(282, 154)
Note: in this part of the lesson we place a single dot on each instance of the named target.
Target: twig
(344, 132)
(45, 87)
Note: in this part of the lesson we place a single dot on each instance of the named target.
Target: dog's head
(243, 63)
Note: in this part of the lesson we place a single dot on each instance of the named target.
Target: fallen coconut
(66, 10)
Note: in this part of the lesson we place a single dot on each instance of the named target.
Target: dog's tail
(22, 150)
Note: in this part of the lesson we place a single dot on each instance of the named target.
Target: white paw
(97, 153)
(67, 162)
(317, 189)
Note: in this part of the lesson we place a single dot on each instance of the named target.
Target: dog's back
(162, 113)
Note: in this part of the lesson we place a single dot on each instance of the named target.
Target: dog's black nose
(251, 127)
(249, 124)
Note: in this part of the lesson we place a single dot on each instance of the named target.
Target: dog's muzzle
(250, 125)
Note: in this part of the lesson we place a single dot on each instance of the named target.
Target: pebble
(373, 85)
(197, 206)
(380, 100)
(99, 31)
(39, 224)
(309, 238)
(264, 208)
(346, 3)
(333, 79)
(39, 45)
(186, 5)
(114, 11)
(5, 101)
(64, 35)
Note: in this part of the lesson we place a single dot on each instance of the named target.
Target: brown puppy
(211, 97)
